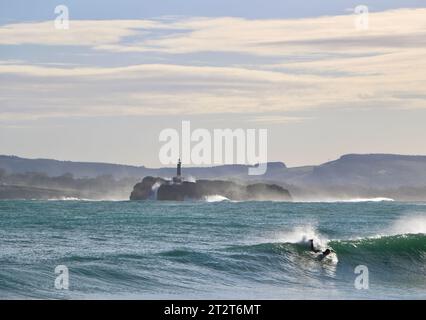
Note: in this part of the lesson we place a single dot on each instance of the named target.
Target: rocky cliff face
(147, 189)
(160, 189)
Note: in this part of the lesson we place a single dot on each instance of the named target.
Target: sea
(212, 249)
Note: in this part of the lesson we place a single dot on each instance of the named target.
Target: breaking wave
(215, 198)
(353, 200)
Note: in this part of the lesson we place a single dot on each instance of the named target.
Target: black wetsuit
(313, 248)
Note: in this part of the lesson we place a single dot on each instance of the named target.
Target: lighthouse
(179, 169)
(178, 177)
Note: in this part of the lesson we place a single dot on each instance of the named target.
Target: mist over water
(211, 249)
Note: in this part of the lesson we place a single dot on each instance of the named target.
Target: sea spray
(412, 224)
(215, 198)
(154, 190)
(302, 235)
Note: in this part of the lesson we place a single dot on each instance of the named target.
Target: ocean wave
(406, 249)
(383, 245)
(351, 200)
(82, 199)
(404, 242)
(68, 199)
(215, 198)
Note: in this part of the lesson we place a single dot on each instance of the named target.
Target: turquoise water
(194, 250)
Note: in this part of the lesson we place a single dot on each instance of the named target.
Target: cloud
(81, 32)
(388, 29)
(174, 89)
(325, 63)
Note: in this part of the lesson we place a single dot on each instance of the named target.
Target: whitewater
(212, 249)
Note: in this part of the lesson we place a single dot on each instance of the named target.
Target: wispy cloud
(81, 32)
(388, 29)
(383, 66)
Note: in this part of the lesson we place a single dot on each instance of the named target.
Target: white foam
(331, 258)
(67, 199)
(378, 199)
(215, 198)
(154, 190)
(302, 235)
(190, 179)
(84, 199)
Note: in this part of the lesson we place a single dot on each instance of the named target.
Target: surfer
(324, 253)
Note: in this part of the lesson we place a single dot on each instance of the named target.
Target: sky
(306, 71)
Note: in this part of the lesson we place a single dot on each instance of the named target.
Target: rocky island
(160, 189)
(178, 189)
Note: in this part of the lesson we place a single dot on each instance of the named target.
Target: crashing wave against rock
(199, 190)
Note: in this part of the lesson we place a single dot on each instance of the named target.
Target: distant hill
(352, 175)
(372, 170)
(13, 164)
(53, 168)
